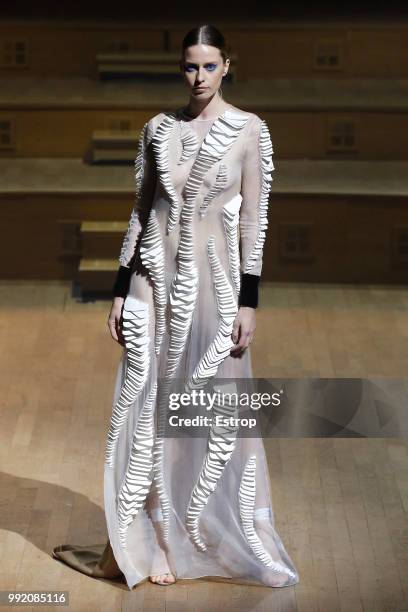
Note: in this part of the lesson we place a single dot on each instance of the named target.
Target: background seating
(75, 95)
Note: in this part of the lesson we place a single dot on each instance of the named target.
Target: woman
(184, 309)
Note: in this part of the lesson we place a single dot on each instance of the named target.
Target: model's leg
(160, 572)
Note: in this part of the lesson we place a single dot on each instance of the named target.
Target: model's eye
(189, 68)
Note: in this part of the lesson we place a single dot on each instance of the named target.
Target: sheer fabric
(197, 227)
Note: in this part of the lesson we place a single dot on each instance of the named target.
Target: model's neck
(205, 111)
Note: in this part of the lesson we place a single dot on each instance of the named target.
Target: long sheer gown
(199, 506)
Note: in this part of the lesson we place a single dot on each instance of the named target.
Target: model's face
(203, 69)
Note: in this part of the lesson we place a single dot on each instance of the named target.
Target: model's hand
(243, 329)
(114, 320)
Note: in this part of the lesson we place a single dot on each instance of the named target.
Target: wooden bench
(147, 63)
(114, 145)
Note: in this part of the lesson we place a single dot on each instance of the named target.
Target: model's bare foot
(159, 557)
(163, 579)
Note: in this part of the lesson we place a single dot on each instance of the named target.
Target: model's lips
(200, 88)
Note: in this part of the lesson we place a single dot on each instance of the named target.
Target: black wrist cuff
(249, 294)
(122, 281)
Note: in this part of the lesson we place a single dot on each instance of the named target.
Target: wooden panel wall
(63, 133)
(36, 250)
(290, 52)
(265, 50)
(351, 236)
(65, 49)
(67, 133)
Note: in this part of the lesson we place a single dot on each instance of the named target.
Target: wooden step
(307, 118)
(105, 227)
(102, 239)
(73, 179)
(98, 265)
(97, 275)
(114, 145)
(147, 63)
(353, 214)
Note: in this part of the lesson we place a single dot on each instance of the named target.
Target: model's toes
(169, 578)
(163, 579)
(157, 577)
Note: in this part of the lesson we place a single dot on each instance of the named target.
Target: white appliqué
(184, 286)
(231, 224)
(158, 456)
(189, 143)
(153, 258)
(219, 184)
(221, 444)
(267, 166)
(135, 330)
(227, 308)
(246, 496)
(134, 226)
(160, 142)
(138, 477)
(218, 141)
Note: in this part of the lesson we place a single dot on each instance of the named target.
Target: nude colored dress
(200, 506)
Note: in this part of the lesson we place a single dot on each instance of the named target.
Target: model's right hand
(114, 320)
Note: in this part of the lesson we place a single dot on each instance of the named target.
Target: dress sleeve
(145, 184)
(256, 182)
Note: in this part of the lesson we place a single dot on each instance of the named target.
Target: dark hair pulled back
(205, 34)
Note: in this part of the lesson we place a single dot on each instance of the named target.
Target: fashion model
(184, 308)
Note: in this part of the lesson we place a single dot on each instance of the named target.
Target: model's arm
(145, 184)
(256, 184)
(255, 187)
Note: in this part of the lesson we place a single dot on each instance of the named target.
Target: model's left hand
(243, 330)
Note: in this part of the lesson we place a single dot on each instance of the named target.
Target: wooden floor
(340, 504)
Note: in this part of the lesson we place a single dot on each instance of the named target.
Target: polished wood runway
(340, 504)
